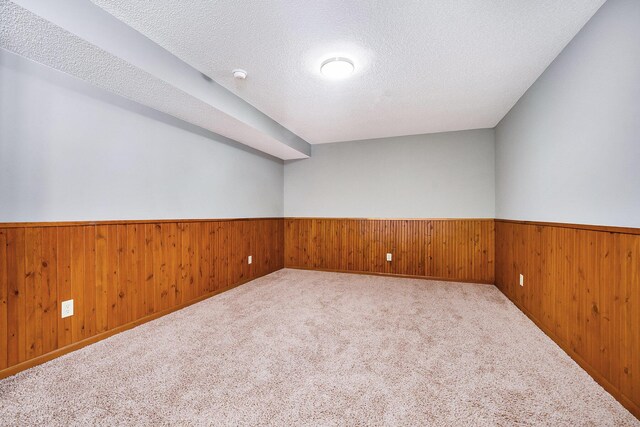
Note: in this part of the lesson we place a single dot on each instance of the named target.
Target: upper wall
(70, 151)
(569, 151)
(445, 175)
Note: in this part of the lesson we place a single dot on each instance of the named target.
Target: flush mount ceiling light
(337, 68)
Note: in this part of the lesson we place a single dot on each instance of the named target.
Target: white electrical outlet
(522, 280)
(250, 260)
(67, 308)
(389, 257)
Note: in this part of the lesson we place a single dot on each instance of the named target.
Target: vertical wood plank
(186, 278)
(215, 271)
(122, 292)
(132, 264)
(149, 272)
(4, 288)
(161, 282)
(78, 252)
(113, 276)
(204, 254)
(171, 262)
(90, 281)
(65, 335)
(33, 286)
(16, 314)
(102, 277)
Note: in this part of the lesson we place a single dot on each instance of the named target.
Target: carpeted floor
(313, 348)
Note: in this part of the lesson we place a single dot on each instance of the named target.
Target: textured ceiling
(33, 37)
(422, 66)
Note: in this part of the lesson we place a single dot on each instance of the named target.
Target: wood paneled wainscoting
(582, 288)
(119, 274)
(448, 249)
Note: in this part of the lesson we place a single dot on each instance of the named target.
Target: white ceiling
(86, 42)
(422, 66)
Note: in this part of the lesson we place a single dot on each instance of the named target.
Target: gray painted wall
(69, 151)
(426, 176)
(569, 151)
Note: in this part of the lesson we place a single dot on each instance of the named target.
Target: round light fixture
(337, 68)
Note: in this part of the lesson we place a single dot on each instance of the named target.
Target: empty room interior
(320, 213)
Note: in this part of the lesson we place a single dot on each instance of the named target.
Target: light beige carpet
(313, 348)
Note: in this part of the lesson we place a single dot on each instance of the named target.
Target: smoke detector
(239, 74)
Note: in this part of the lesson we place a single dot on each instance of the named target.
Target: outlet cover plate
(250, 260)
(67, 308)
(389, 256)
(522, 280)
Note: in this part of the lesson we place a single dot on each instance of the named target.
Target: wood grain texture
(454, 249)
(118, 274)
(582, 288)
(582, 283)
